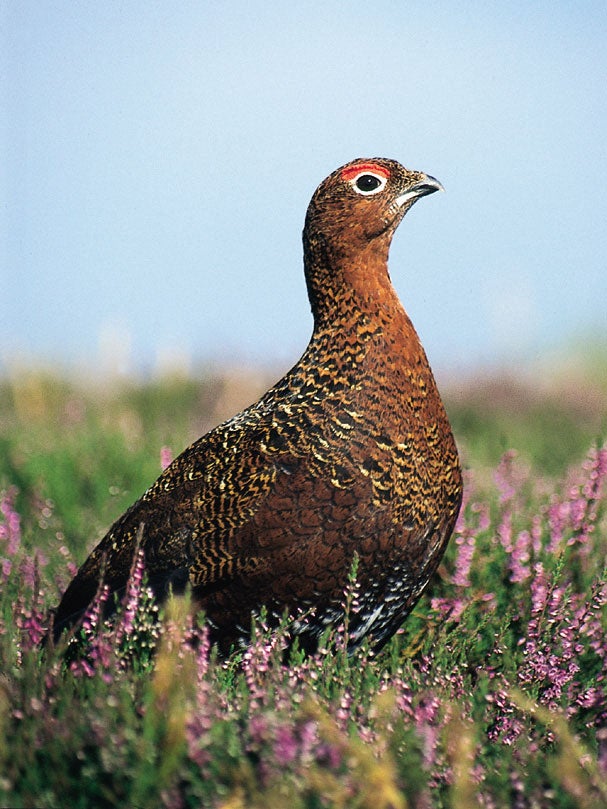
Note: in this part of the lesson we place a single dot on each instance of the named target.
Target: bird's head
(363, 200)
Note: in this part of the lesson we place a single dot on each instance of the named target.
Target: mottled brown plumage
(351, 453)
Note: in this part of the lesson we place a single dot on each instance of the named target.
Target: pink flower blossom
(166, 457)
(132, 596)
(285, 745)
(10, 530)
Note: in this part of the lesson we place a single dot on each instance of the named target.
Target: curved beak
(427, 185)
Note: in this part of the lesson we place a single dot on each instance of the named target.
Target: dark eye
(368, 182)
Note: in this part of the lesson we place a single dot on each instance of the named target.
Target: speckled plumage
(350, 453)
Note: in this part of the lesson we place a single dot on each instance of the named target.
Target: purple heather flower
(463, 561)
(203, 652)
(256, 662)
(258, 728)
(100, 649)
(72, 567)
(449, 608)
(428, 727)
(508, 477)
(508, 725)
(504, 530)
(30, 568)
(520, 558)
(344, 711)
(33, 625)
(285, 745)
(10, 530)
(166, 457)
(131, 597)
(577, 513)
(308, 735)
(329, 755)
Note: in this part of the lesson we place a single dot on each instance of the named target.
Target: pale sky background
(158, 158)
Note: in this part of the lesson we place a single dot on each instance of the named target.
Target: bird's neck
(346, 284)
(353, 302)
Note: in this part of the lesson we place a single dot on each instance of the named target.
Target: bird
(349, 456)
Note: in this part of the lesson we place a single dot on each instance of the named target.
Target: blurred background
(158, 158)
(157, 162)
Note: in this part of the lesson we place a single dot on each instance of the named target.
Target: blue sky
(159, 158)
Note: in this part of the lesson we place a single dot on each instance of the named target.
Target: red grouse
(349, 454)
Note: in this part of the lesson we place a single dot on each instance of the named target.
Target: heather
(493, 694)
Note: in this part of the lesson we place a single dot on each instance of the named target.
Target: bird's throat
(341, 281)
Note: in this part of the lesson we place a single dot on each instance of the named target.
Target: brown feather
(351, 453)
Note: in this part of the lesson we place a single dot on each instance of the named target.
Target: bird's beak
(428, 185)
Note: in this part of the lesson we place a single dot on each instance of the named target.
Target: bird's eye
(367, 183)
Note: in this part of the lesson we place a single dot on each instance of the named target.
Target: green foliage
(549, 426)
(493, 694)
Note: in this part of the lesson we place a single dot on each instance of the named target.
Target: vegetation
(493, 694)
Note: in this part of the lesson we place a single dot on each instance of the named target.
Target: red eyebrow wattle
(352, 171)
